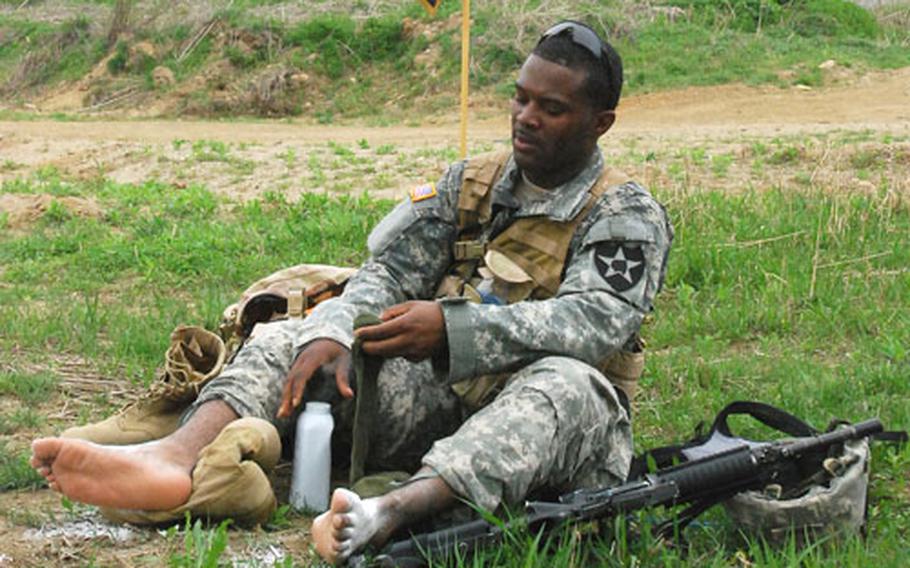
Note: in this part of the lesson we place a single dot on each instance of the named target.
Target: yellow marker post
(431, 6)
(465, 66)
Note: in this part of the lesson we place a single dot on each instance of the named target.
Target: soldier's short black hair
(604, 74)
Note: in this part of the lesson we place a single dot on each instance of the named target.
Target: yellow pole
(465, 64)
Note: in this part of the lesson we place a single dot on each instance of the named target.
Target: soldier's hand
(413, 330)
(316, 354)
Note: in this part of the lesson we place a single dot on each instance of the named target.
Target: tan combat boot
(194, 357)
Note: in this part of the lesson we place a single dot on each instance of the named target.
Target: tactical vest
(524, 261)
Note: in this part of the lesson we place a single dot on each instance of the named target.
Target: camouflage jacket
(616, 264)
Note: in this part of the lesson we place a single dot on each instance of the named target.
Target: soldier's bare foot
(348, 526)
(147, 476)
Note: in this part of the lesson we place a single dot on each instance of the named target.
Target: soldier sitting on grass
(509, 293)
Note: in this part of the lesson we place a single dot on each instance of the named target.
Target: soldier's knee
(564, 372)
(568, 382)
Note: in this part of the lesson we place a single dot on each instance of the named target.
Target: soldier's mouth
(522, 143)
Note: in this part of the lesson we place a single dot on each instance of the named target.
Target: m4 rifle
(700, 483)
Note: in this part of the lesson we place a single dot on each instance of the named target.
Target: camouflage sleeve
(616, 266)
(410, 251)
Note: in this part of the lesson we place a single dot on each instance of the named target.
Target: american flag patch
(422, 192)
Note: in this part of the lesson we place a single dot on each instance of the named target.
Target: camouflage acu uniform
(558, 422)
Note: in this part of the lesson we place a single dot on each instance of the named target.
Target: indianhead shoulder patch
(621, 265)
(423, 192)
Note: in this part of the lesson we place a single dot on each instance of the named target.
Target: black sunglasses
(580, 35)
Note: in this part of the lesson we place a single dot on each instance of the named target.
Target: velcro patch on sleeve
(423, 192)
(620, 264)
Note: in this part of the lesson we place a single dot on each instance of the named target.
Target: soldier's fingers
(284, 409)
(381, 331)
(342, 372)
(395, 311)
(304, 372)
(392, 347)
(300, 373)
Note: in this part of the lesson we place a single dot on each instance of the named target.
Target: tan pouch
(624, 369)
(229, 480)
(290, 292)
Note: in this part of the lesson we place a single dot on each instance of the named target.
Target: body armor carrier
(524, 261)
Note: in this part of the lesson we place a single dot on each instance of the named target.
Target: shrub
(380, 38)
(832, 18)
(329, 36)
(118, 62)
(742, 15)
(335, 40)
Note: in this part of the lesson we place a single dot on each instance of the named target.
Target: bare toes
(339, 521)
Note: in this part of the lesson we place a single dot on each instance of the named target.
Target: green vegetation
(35, 53)
(347, 55)
(201, 548)
(15, 471)
(161, 244)
(29, 388)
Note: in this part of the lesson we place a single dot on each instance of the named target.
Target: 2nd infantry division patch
(621, 265)
(421, 192)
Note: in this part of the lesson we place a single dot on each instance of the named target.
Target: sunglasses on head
(580, 35)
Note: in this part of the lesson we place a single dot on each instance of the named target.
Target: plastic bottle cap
(318, 407)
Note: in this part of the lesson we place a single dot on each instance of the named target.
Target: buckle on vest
(469, 250)
(297, 303)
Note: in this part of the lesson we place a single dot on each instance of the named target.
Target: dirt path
(242, 160)
(120, 149)
(880, 100)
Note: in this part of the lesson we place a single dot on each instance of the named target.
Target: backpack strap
(771, 416)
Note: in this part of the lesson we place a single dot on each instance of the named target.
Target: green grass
(27, 387)
(15, 471)
(44, 54)
(661, 55)
(164, 246)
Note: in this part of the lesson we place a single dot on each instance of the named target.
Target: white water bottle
(312, 458)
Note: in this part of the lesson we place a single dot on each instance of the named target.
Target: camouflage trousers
(557, 424)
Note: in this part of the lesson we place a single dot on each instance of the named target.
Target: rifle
(702, 483)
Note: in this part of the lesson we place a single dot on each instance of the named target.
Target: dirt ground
(35, 530)
(263, 156)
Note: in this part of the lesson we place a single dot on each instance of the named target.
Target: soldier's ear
(603, 121)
